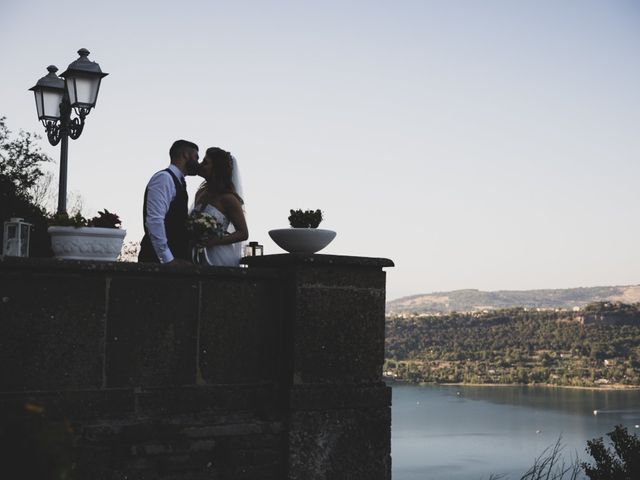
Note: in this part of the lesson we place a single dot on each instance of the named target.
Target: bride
(220, 196)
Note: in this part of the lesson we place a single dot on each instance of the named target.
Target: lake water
(464, 432)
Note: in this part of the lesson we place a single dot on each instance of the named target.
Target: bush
(20, 172)
(623, 463)
(16, 204)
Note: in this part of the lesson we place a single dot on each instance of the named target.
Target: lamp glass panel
(51, 100)
(11, 246)
(83, 90)
(24, 240)
(39, 103)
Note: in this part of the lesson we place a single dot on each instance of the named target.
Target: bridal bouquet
(201, 227)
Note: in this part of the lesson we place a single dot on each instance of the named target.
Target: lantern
(253, 249)
(49, 92)
(82, 79)
(15, 242)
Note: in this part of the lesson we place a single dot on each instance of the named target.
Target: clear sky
(478, 144)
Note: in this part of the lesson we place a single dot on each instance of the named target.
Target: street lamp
(57, 98)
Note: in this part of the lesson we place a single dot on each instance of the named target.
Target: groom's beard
(192, 168)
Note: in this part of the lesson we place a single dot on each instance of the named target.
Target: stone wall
(269, 372)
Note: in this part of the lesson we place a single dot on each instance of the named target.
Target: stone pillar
(338, 408)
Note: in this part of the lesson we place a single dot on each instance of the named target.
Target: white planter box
(87, 243)
(302, 240)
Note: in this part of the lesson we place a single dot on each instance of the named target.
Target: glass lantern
(15, 242)
(49, 92)
(253, 249)
(82, 80)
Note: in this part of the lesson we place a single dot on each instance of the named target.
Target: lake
(467, 432)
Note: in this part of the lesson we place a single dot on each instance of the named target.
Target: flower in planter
(304, 237)
(105, 219)
(65, 220)
(305, 218)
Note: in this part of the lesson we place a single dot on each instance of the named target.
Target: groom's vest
(175, 224)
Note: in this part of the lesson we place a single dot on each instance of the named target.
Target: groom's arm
(160, 193)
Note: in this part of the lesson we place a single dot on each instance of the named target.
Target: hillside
(598, 346)
(476, 300)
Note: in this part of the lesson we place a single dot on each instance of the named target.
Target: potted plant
(77, 238)
(304, 236)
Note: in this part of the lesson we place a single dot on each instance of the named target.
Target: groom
(165, 209)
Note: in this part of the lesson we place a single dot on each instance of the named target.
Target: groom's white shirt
(160, 193)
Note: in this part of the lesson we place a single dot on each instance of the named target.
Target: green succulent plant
(305, 218)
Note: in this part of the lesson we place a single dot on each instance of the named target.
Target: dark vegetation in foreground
(620, 463)
(598, 345)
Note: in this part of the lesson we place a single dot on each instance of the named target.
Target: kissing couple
(167, 236)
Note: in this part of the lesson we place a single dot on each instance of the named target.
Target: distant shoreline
(616, 387)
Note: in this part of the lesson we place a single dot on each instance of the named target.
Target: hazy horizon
(490, 145)
(506, 290)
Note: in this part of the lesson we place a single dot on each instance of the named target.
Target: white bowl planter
(87, 243)
(302, 240)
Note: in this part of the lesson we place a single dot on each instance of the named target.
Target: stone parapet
(268, 372)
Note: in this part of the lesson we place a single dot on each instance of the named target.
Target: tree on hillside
(20, 171)
(21, 159)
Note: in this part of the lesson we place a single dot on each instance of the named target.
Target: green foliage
(305, 218)
(105, 219)
(621, 463)
(517, 346)
(66, 220)
(20, 171)
(20, 159)
(550, 465)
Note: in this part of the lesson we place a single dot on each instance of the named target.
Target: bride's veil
(238, 247)
(235, 177)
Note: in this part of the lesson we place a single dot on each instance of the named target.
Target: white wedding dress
(218, 255)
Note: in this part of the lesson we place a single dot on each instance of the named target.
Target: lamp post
(57, 98)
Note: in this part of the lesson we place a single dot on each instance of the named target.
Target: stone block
(151, 433)
(153, 402)
(333, 397)
(51, 331)
(340, 445)
(273, 471)
(151, 331)
(239, 332)
(340, 276)
(93, 462)
(338, 335)
(78, 405)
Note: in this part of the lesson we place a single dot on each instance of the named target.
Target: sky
(478, 144)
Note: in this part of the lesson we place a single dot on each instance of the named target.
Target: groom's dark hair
(180, 146)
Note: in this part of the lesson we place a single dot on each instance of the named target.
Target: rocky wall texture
(266, 372)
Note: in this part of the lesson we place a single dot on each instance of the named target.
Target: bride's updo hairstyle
(222, 172)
